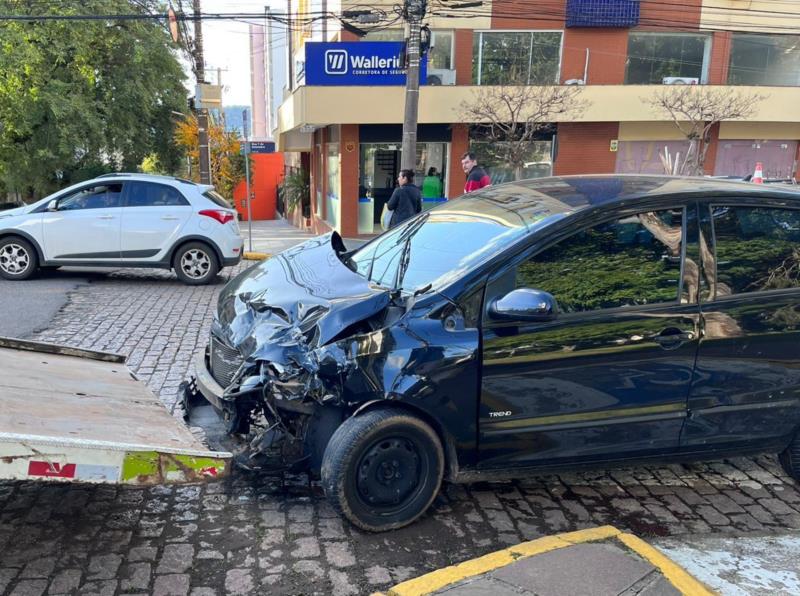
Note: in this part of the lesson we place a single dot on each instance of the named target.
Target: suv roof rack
(114, 174)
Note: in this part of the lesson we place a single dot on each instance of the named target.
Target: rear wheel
(382, 469)
(195, 263)
(18, 258)
(790, 458)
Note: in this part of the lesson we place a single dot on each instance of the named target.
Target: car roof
(145, 177)
(531, 200)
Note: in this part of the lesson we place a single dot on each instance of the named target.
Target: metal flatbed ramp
(80, 416)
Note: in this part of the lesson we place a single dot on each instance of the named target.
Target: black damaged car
(541, 324)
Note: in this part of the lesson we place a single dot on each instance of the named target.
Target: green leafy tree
(78, 98)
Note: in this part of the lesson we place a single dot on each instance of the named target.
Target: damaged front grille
(224, 361)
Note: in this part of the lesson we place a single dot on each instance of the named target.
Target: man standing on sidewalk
(477, 177)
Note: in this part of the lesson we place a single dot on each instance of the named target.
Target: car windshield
(440, 245)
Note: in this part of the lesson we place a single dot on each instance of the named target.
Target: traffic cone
(758, 176)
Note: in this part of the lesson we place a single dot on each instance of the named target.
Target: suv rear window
(214, 196)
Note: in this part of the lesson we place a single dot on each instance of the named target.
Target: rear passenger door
(152, 219)
(746, 390)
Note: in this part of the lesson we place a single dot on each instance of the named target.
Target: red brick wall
(349, 150)
(583, 148)
(670, 15)
(458, 146)
(463, 56)
(711, 155)
(528, 14)
(720, 56)
(607, 51)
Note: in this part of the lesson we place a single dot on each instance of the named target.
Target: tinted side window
(100, 196)
(626, 262)
(147, 194)
(756, 248)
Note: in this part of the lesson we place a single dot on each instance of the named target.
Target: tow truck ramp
(73, 415)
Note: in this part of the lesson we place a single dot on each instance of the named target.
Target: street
(250, 533)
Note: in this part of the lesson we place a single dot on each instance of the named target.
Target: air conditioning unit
(574, 82)
(680, 81)
(441, 76)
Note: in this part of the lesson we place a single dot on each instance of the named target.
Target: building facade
(621, 52)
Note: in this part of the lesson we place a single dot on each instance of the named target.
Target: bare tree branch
(512, 115)
(695, 110)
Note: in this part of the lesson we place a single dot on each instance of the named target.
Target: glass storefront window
(764, 60)
(516, 58)
(654, 56)
(539, 161)
(332, 203)
(440, 56)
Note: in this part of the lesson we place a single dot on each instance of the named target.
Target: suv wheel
(382, 469)
(790, 458)
(195, 263)
(18, 258)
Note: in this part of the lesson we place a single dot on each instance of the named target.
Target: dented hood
(302, 297)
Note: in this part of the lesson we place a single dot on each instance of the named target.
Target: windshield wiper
(406, 236)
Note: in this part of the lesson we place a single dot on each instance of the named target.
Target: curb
(255, 256)
(441, 578)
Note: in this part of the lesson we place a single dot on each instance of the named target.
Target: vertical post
(268, 16)
(246, 131)
(415, 10)
(202, 113)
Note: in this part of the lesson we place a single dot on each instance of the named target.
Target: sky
(227, 46)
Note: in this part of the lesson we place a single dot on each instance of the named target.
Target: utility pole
(246, 131)
(269, 68)
(202, 113)
(414, 11)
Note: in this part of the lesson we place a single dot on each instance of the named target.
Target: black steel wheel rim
(391, 473)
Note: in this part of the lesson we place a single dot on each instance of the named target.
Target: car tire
(18, 258)
(790, 458)
(382, 469)
(195, 263)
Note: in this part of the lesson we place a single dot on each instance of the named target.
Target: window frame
(127, 193)
(586, 223)
(731, 68)
(69, 195)
(752, 204)
(479, 33)
(707, 49)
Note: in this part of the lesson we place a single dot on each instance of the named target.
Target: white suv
(130, 220)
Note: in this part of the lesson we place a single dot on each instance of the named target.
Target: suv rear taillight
(221, 216)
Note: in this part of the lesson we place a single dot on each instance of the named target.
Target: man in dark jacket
(406, 200)
(477, 177)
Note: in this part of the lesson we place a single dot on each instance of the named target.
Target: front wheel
(382, 469)
(18, 259)
(195, 264)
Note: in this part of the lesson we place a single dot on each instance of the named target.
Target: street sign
(257, 147)
(358, 63)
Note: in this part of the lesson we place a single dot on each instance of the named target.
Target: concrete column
(349, 149)
(459, 144)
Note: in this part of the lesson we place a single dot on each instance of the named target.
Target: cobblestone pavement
(245, 534)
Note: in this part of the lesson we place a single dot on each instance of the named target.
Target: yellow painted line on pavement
(436, 580)
(256, 256)
(674, 573)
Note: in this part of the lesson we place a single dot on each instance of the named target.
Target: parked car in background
(123, 220)
(540, 324)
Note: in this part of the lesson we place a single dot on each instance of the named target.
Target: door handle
(169, 218)
(105, 217)
(672, 337)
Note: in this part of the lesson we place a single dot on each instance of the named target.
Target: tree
(511, 116)
(695, 111)
(79, 98)
(227, 162)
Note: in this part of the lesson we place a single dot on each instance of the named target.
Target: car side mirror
(524, 304)
(52, 205)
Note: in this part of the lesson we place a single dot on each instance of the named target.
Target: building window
(764, 60)
(660, 58)
(518, 57)
(440, 56)
(538, 160)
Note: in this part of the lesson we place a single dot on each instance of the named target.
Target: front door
(609, 377)
(86, 226)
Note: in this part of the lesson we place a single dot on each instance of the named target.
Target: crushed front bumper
(206, 384)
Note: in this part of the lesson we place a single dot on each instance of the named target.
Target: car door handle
(105, 217)
(169, 218)
(673, 337)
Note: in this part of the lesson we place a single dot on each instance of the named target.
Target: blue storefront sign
(257, 147)
(358, 63)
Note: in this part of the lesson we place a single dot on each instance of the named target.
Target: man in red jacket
(476, 175)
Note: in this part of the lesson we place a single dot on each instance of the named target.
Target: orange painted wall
(670, 15)
(608, 49)
(584, 148)
(266, 173)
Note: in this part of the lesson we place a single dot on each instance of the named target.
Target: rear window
(215, 197)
